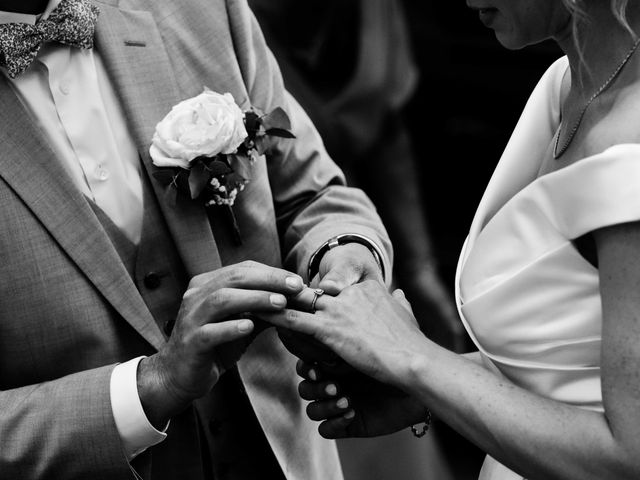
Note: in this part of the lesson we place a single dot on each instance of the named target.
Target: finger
(293, 320)
(340, 277)
(305, 347)
(307, 300)
(314, 391)
(307, 370)
(226, 302)
(337, 427)
(402, 299)
(212, 335)
(347, 265)
(250, 275)
(325, 409)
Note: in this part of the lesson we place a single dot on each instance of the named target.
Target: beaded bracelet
(425, 426)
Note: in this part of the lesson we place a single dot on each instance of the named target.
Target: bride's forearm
(537, 437)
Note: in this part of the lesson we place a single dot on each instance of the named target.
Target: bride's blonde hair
(576, 7)
(618, 8)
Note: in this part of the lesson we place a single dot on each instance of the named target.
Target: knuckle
(190, 293)
(291, 318)
(200, 340)
(234, 276)
(219, 298)
(198, 280)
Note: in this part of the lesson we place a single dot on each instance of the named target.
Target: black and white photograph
(319, 240)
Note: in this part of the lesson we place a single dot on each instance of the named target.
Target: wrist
(160, 400)
(345, 239)
(418, 371)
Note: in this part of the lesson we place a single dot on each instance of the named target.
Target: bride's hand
(351, 404)
(370, 329)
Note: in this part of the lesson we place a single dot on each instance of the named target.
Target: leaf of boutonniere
(218, 168)
(277, 120)
(240, 165)
(199, 178)
(251, 121)
(280, 132)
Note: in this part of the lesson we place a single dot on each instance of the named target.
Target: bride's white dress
(528, 299)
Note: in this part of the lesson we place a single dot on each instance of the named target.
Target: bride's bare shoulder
(615, 121)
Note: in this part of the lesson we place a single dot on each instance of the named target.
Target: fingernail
(331, 389)
(313, 375)
(278, 300)
(245, 326)
(294, 282)
(342, 403)
(349, 415)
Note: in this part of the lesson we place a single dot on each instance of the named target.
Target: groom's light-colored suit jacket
(69, 311)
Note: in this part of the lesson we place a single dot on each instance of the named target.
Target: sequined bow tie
(72, 22)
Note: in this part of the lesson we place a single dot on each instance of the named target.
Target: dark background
(470, 96)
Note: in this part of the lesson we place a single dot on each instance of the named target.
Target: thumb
(402, 299)
(340, 277)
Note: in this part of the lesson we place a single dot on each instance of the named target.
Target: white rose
(206, 125)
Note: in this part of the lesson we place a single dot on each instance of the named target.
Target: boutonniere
(204, 148)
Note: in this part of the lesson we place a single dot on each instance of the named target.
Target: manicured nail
(342, 403)
(278, 300)
(245, 326)
(294, 282)
(331, 389)
(313, 375)
(349, 415)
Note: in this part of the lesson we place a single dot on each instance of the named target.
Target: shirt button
(102, 174)
(64, 88)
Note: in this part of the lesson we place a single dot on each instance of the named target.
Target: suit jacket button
(152, 280)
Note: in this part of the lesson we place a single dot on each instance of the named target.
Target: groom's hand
(205, 340)
(347, 265)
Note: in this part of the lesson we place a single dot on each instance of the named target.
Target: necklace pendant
(558, 153)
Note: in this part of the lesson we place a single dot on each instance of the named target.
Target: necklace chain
(557, 154)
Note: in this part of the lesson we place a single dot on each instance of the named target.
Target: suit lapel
(133, 51)
(28, 165)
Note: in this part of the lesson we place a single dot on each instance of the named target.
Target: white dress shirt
(69, 94)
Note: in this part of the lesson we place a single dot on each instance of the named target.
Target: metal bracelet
(316, 257)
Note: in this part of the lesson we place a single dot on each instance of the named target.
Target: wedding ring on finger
(317, 293)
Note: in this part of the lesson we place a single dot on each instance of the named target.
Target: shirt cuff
(136, 432)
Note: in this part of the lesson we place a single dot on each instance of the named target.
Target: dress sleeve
(596, 192)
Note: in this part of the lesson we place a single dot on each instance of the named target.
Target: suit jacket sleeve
(61, 429)
(311, 198)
